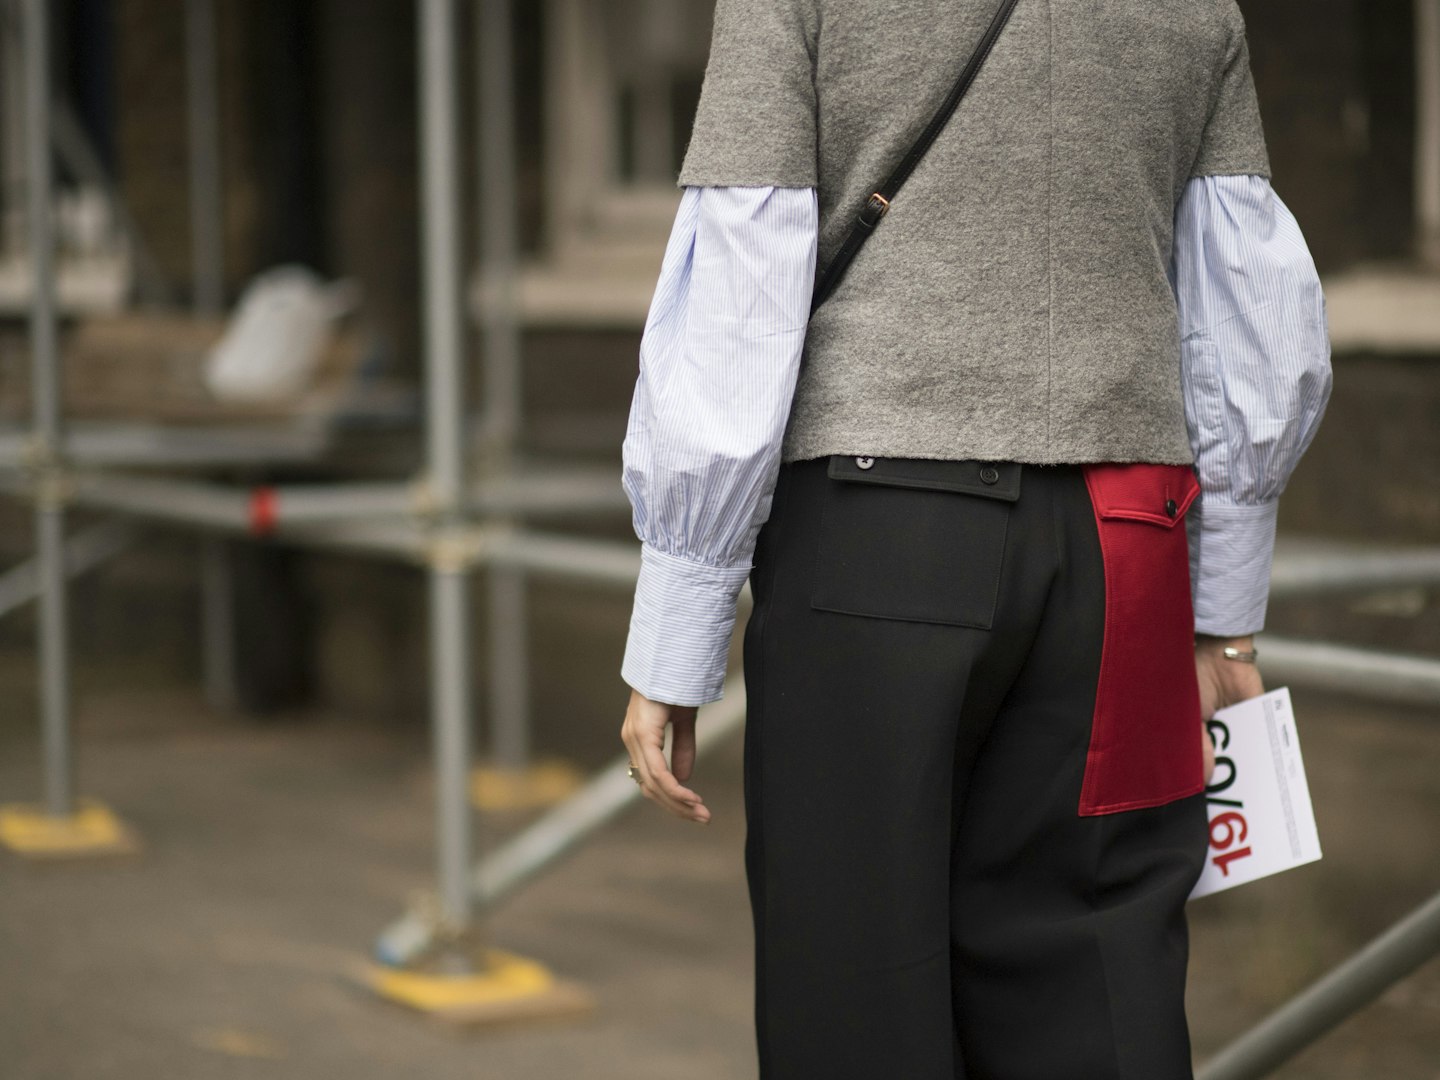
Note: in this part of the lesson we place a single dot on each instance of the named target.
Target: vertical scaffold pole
(45, 375)
(450, 707)
(509, 668)
(498, 212)
(450, 629)
(202, 111)
(207, 279)
(13, 169)
(1427, 128)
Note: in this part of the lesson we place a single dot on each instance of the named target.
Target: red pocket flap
(1142, 491)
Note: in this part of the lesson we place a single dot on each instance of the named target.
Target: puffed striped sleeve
(718, 363)
(1256, 378)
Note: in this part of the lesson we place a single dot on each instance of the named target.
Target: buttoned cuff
(680, 628)
(1231, 550)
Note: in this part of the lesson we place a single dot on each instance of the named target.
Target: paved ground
(274, 852)
(272, 858)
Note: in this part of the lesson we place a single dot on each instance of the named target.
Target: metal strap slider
(875, 208)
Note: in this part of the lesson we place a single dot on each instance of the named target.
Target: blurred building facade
(317, 111)
(317, 140)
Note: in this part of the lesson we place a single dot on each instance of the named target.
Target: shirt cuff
(1231, 549)
(680, 628)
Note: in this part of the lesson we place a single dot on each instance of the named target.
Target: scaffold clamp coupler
(456, 548)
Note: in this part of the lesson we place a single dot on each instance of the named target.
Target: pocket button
(1171, 506)
(989, 474)
(864, 462)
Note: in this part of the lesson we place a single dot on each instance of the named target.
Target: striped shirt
(721, 352)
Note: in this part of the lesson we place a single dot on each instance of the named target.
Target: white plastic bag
(277, 335)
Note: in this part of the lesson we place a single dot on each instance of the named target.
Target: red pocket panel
(1145, 736)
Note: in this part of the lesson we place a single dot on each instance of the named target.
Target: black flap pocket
(914, 540)
(994, 480)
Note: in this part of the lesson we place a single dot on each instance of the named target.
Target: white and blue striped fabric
(721, 352)
(1255, 372)
(718, 364)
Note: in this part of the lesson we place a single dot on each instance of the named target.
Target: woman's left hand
(643, 733)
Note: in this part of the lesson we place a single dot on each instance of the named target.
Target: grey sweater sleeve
(756, 122)
(1234, 140)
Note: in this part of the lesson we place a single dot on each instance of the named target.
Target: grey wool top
(1014, 303)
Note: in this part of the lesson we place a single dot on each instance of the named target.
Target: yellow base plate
(510, 988)
(91, 830)
(543, 783)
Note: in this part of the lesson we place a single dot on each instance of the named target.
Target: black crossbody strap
(879, 201)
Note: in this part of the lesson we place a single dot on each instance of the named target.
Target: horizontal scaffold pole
(1305, 567)
(1347, 669)
(560, 831)
(1343, 992)
(84, 551)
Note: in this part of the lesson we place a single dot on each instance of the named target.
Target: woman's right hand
(643, 733)
(1222, 682)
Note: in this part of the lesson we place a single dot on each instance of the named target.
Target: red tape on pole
(264, 511)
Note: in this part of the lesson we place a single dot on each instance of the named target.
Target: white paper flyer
(1261, 818)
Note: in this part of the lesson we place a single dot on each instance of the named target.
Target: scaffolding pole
(150, 444)
(509, 667)
(451, 708)
(207, 224)
(220, 673)
(1400, 950)
(83, 552)
(59, 798)
(498, 239)
(13, 169)
(1427, 129)
(560, 831)
(207, 281)
(1346, 669)
(1308, 568)
(260, 509)
(458, 977)
(451, 705)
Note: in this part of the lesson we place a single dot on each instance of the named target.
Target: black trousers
(921, 666)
